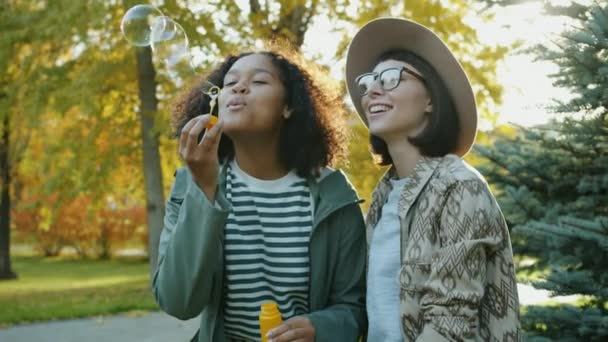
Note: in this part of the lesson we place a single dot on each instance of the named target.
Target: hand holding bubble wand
(146, 25)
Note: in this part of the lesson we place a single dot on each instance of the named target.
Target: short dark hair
(313, 137)
(440, 136)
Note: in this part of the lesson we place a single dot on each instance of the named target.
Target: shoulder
(324, 172)
(453, 169)
(333, 191)
(335, 185)
(456, 183)
(454, 173)
(468, 206)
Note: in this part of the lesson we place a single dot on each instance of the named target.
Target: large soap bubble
(139, 23)
(170, 45)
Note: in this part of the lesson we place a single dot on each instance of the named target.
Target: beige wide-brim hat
(384, 34)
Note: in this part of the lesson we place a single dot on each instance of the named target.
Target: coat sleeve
(345, 319)
(471, 231)
(189, 248)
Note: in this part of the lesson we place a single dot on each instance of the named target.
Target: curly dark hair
(313, 137)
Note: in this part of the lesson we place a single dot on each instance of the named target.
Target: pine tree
(552, 184)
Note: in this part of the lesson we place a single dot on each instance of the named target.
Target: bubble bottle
(270, 318)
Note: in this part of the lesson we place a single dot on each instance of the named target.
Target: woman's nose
(375, 88)
(239, 88)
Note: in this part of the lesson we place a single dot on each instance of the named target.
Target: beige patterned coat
(457, 277)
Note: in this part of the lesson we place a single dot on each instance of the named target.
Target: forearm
(184, 279)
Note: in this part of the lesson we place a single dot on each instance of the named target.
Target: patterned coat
(457, 276)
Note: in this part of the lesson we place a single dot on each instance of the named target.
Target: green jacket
(189, 278)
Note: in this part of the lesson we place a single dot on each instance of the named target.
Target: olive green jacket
(190, 274)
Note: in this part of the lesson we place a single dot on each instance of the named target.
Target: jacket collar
(424, 169)
(330, 193)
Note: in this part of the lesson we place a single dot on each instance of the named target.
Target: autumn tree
(95, 109)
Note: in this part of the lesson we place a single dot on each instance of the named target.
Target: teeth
(379, 108)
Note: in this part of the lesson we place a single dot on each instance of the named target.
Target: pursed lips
(236, 103)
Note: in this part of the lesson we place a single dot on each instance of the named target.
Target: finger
(281, 329)
(183, 137)
(300, 329)
(211, 139)
(212, 121)
(292, 335)
(195, 132)
(297, 322)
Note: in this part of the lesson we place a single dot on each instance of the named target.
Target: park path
(141, 327)
(155, 326)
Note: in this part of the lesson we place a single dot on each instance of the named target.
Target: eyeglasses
(389, 79)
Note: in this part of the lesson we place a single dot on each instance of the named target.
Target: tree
(27, 54)
(6, 271)
(150, 148)
(73, 88)
(572, 9)
(553, 183)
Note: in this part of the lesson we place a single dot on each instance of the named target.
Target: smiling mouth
(379, 109)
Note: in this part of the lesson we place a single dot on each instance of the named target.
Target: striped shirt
(265, 249)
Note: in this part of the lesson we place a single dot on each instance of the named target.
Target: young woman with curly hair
(257, 215)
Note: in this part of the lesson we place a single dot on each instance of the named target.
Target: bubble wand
(213, 93)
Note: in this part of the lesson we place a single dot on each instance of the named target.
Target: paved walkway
(148, 327)
(155, 327)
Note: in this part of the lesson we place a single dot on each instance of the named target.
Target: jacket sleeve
(471, 230)
(189, 248)
(345, 316)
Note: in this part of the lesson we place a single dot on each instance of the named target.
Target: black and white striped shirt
(266, 249)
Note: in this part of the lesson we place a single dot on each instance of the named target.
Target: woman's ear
(429, 106)
(287, 113)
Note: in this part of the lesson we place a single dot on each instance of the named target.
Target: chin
(378, 129)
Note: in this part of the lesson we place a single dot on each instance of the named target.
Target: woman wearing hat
(440, 261)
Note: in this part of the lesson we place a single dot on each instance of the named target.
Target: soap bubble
(146, 25)
(170, 45)
(140, 23)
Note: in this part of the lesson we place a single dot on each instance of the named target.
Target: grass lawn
(60, 288)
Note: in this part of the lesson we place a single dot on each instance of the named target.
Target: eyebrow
(255, 71)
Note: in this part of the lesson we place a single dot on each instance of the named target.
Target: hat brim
(384, 34)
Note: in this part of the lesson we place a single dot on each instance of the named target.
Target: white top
(384, 264)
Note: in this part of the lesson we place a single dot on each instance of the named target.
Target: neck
(404, 155)
(259, 158)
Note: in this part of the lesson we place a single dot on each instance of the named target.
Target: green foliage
(552, 184)
(565, 323)
(361, 168)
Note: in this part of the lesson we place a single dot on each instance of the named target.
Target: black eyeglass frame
(379, 76)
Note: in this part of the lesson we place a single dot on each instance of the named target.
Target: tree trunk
(155, 207)
(5, 204)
